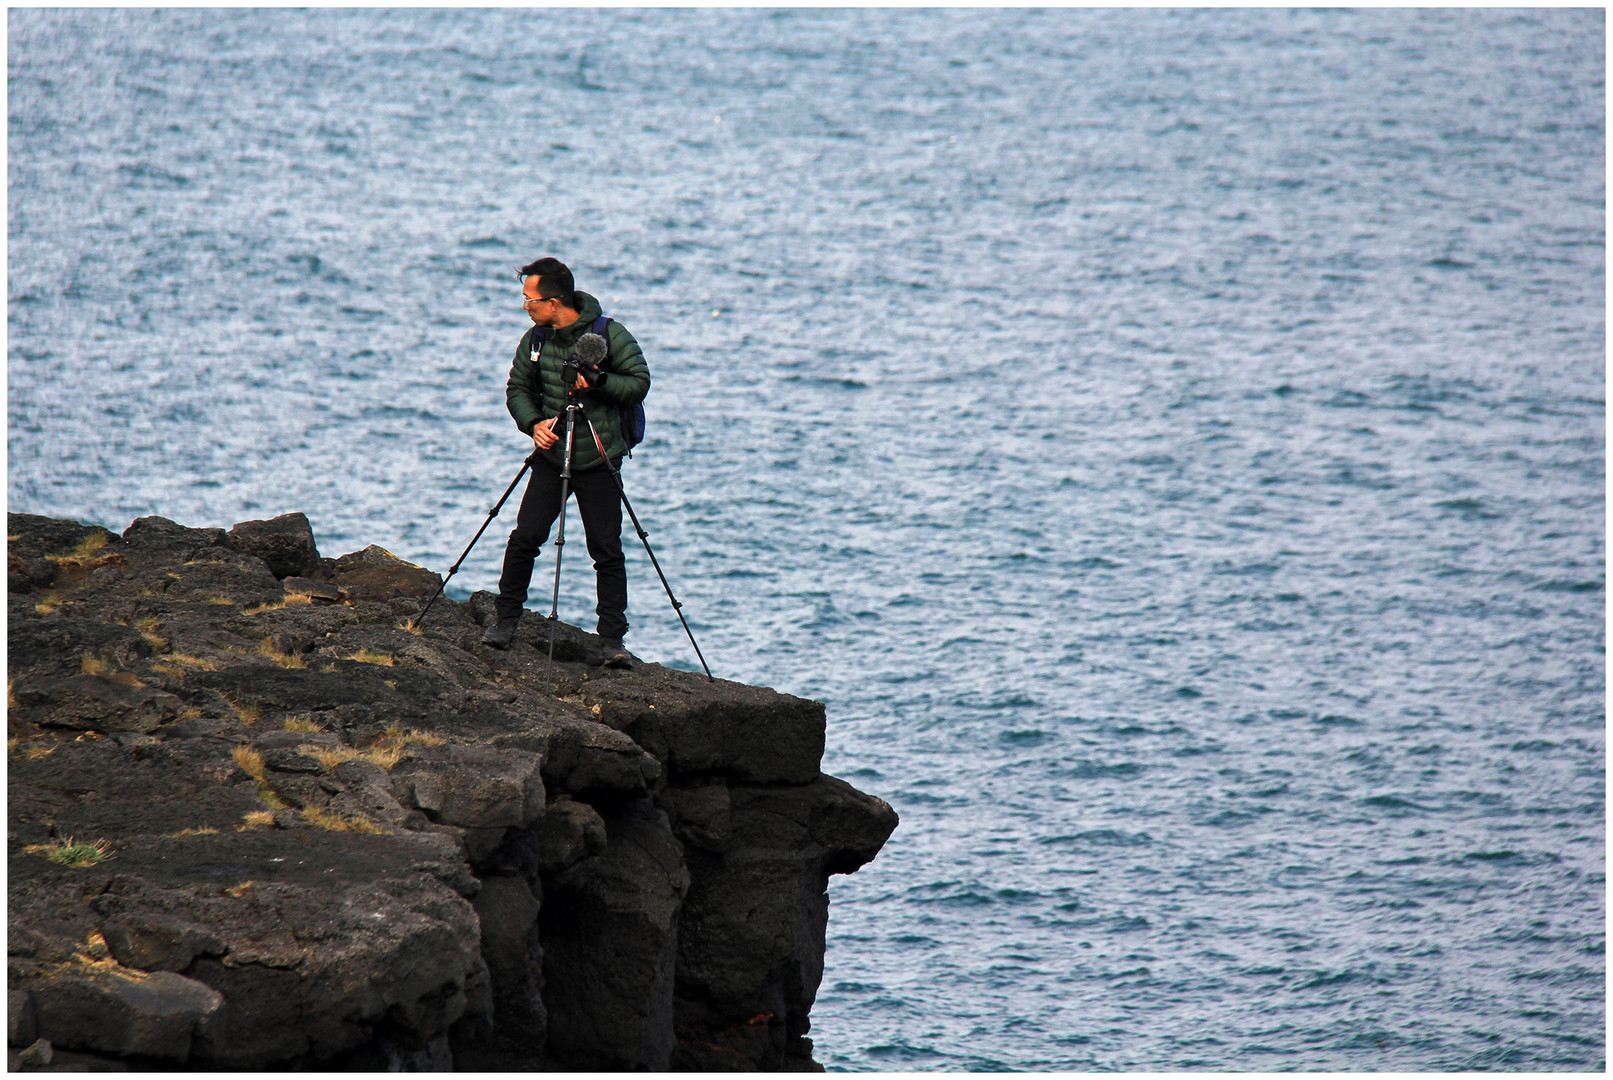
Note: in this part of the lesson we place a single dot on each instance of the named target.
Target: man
(537, 401)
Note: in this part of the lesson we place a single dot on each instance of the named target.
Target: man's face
(542, 312)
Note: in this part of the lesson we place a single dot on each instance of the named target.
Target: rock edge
(259, 819)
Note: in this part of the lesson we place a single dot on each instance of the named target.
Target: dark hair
(553, 280)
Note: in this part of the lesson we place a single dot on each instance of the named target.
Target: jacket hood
(567, 336)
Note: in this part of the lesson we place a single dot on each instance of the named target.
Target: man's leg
(600, 506)
(539, 508)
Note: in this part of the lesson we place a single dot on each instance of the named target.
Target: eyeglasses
(528, 302)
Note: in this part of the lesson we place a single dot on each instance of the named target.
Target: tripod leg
(644, 538)
(560, 538)
(559, 549)
(491, 514)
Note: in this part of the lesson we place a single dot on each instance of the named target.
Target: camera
(573, 367)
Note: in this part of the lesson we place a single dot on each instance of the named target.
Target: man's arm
(627, 377)
(523, 393)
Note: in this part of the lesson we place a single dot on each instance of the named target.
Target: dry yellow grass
(386, 751)
(222, 601)
(34, 751)
(302, 723)
(408, 624)
(89, 546)
(240, 890)
(329, 756)
(248, 713)
(324, 819)
(49, 604)
(178, 665)
(276, 605)
(82, 553)
(205, 830)
(94, 665)
(250, 762)
(370, 656)
(86, 963)
(284, 659)
(187, 660)
(256, 819)
(385, 756)
(95, 949)
(389, 749)
(147, 628)
(395, 733)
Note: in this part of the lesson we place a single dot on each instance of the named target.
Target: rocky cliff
(260, 818)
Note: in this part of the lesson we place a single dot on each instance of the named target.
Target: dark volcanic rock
(755, 917)
(60, 645)
(610, 941)
(94, 703)
(153, 942)
(125, 1012)
(155, 541)
(473, 786)
(507, 909)
(377, 574)
(701, 817)
(285, 544)
(568, 832)
(749, 733)
(259, 819)
(158, 533)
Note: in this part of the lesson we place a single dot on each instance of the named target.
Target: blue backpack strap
(633, 423)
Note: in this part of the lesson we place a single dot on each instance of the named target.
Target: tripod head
(584, 360)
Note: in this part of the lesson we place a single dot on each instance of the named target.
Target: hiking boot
(616, 654)
(501, 633)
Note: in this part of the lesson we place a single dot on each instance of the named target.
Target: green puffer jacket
(534, 392)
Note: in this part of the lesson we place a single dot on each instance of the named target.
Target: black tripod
(574, 409)
(491, 514)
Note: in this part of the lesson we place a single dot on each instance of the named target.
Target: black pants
(600, 505)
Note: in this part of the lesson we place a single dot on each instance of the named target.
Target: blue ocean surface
(1171, 442)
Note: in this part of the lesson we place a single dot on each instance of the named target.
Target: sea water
(1171, 443)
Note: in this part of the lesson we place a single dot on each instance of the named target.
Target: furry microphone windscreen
(590, 350)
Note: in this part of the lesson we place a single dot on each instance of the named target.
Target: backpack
(633, 422)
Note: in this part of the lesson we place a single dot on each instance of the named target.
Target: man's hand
(543, 433)
(582, 383)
